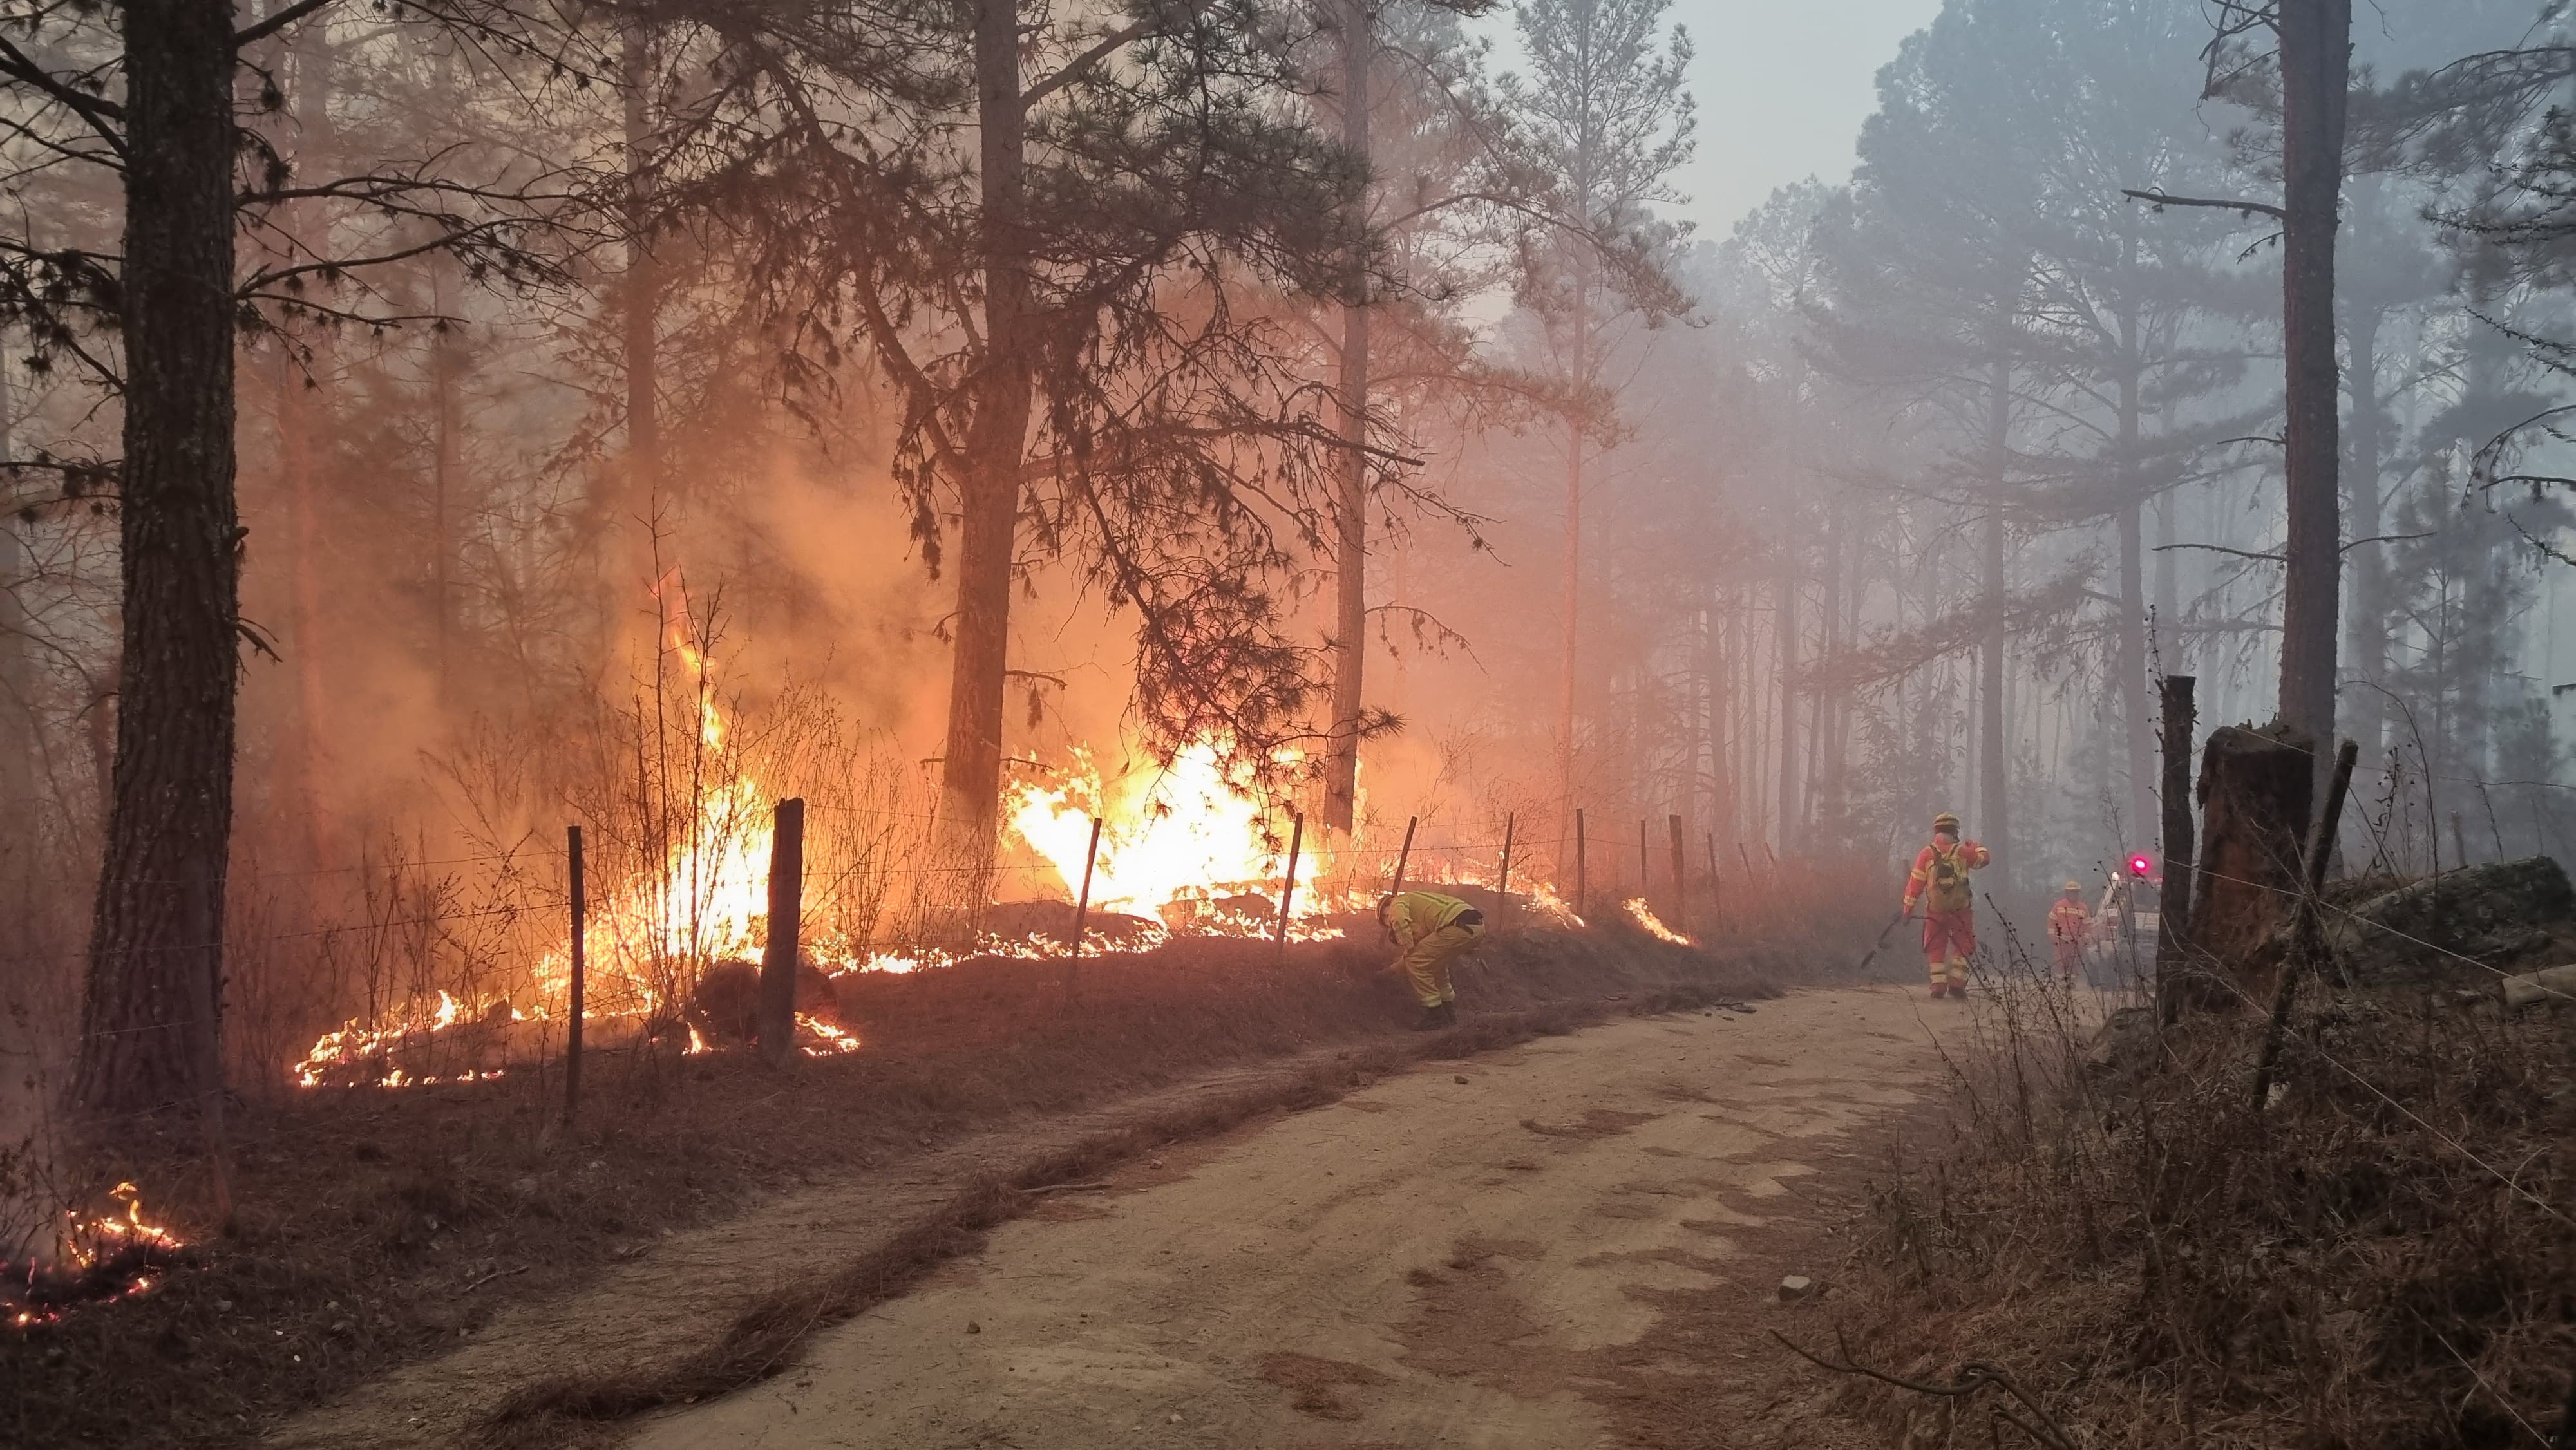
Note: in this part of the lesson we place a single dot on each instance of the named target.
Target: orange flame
(1644, 916)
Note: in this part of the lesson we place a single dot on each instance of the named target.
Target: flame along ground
(1644, 916)
(96, 1260)
(1187, 848)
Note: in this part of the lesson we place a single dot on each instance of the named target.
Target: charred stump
(2255, 793)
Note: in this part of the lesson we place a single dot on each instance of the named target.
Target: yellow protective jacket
(1940, 878)
(1414, 915)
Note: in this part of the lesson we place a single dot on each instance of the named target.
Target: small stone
(1796, 1286)
(1176, 1419)
(1460, 1079)
(974, 1328)
(1153, 1162)
(524, 1187)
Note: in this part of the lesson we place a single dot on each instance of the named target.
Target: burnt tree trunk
(160, 905)
(996, 440)
(2173, 937)
(1350, 625)
(2316, 69)
(2255, 790)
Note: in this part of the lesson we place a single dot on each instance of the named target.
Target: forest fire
(97, 1260)
(1188, 846)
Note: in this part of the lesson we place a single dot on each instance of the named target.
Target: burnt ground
(378, 1228)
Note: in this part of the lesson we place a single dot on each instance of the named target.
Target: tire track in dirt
(1464, 1255)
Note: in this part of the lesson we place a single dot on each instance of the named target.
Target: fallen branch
(488, 1278)
(1973, 1376)
(1068, 1188)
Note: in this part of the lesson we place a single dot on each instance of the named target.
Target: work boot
(1958, 989)
(1448, 1014)
(1430, 1021)
(1940, 989)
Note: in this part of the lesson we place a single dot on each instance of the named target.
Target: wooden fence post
(1716, 885)
(1681, 879)
(580, 953)
(1288, 886)
(1503, 881)
(1582, 886)
(1081, 917)
(777, 1020)
(1404, 857)
(2306, 935)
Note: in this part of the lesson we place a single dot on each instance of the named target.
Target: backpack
(1949, 880)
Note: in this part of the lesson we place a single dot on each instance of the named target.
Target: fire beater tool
(1881, 944)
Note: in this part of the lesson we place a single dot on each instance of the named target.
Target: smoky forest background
(431, 423)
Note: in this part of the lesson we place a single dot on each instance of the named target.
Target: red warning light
(2139, 865)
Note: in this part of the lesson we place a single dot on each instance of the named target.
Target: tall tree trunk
(1578, 374)
(2366, 622)
(17, 667)
(996, 442)
(1784, 624)
(642, 300)
(2316, 69)
(2172, 655)
(1350, 627)
(306, 438)
(303, 442)
(1711, 720)
(2129, 653)
(447, 427)
(160, 905)
(1993, 824)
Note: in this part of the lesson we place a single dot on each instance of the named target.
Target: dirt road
(1471, 1255)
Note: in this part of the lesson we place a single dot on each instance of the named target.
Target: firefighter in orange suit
(1430, 931)
(1940, 883)
(2070, 921)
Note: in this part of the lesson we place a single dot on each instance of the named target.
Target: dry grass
(2382, 1258)
(377, 1225)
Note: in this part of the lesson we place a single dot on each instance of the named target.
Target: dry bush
(2380, 1258)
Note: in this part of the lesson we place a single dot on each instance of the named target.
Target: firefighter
(1940, 882)
(1430, 931)
(2070, 921)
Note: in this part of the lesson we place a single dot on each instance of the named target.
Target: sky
(1782, 86)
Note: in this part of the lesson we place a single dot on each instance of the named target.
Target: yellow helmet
(2074, 886)
(1945, 819)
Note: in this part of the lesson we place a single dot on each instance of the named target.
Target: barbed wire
(2383, 1095)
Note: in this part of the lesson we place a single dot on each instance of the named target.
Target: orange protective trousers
(1949, 939)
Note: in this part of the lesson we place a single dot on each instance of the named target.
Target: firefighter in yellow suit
(1940, 882)
(1430, 931)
